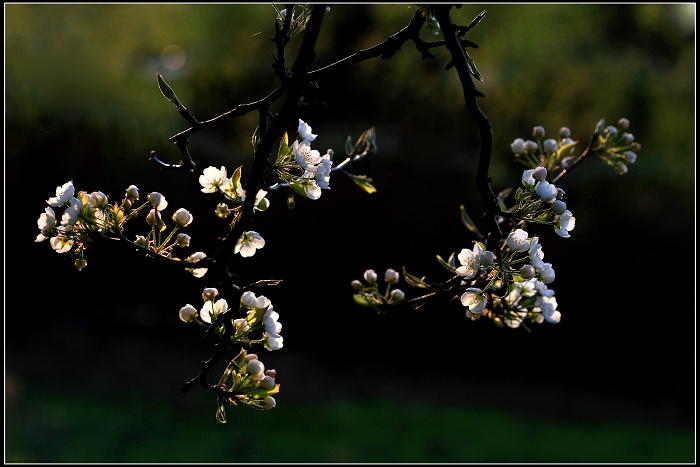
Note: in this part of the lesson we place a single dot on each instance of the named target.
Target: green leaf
(473, 69)
(468, 222)
(298, 189)
(360, 300)
(446, 264)
(476, 20)
(544, 216)
(363, 182)
(501, 197)
(255, 139)
(236, 177)
(260, 393)
(284, 146)
(168, 91)
(414, 280)
(564, 151)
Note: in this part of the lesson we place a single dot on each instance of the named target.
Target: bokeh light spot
(173, 57)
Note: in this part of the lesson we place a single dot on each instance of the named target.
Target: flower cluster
(510, 284)
(615, 145)
(215, 180)
(259, 316)
(528, 300)
(89, 215)
(246, 380)
(535, 191)
(368, 293)
(251, 384)
(540, 152)
(315, 168)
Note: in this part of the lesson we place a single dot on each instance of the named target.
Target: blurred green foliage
(82, 103)
(334, 431)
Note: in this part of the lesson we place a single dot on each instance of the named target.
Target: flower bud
(531, 146)
(271, 373)
(209, 293)
(132, 193)
(549, 146)
(188, 313)
(623, 123)
(182, 217)
(370, 276)
(628, 138)
(397, 295)
(560, 193)
(620, 168)
(269, 402)
(251, 356)
(98, 199)
(141, 241)
(527, 271)
(255, 367)
(126, 204)
(518, 146)
(630, 157)
(558, 207)
(357, 285)
(80, 263)
(157, 201)
(564, 132)
(538, 132)
(391, 276)
(486, 258)
(611, 130)
(546, 191)
(540, 173)
(267, 382)
(153, 218)
(182, 240)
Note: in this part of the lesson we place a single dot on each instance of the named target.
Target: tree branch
(482, 179)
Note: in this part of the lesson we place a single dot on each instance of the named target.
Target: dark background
(81, 103)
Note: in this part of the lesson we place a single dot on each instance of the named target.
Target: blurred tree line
(81, 103)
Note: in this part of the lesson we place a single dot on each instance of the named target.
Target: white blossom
(248, 243)
(193, 258)
(72, 212)
(470, 265)
(45, 223)
(517, 240)
(212, 309)
(475, 300)
(546, 191)
(63, 194)
(564, 224)
(212, 178)
(305, 131)
(273, 341)
(61, 243)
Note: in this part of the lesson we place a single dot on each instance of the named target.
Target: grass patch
(59, 426)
